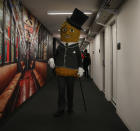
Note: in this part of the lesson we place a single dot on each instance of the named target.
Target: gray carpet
(37, 113)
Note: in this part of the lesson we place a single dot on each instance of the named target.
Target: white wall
(108, 63)
(96, 63)
(128, 64)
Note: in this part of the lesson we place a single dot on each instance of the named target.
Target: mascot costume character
(67, 60)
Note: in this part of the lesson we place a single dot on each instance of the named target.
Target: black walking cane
(85, 106)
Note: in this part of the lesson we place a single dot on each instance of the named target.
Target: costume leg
(61, 93)
(86, 72)
(70, 91)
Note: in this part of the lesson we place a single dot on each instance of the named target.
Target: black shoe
(70, 111)
(59, 113)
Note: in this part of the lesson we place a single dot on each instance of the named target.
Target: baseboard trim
(123, 120)
(117, 109)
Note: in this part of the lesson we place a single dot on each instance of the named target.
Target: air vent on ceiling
(108, 9)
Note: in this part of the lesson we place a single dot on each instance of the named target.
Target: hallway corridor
(41, 38)
(37, 113)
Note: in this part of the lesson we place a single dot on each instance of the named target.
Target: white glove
(80, 71)
(51, 63)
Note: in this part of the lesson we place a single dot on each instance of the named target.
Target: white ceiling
(39, 9)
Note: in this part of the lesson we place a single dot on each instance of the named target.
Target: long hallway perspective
(37, 113)
(47, 45)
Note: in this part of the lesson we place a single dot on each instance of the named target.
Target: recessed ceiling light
(65, 13)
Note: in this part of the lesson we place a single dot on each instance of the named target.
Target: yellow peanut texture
(69, 33)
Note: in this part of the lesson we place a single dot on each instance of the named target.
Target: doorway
(102, 46)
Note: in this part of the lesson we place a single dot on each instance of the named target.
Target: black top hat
(77, 19)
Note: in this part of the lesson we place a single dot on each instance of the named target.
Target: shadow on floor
(37, 113)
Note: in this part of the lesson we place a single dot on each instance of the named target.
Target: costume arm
(79, 57)
(56, 53)
(51, 61)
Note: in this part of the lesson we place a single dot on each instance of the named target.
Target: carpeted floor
(37, 113)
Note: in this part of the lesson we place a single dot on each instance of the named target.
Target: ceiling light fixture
(65, 13)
